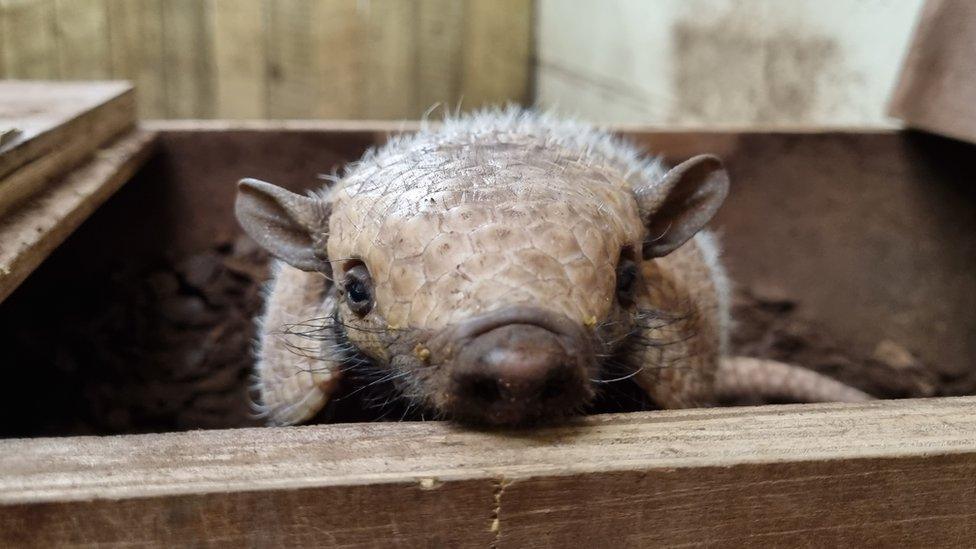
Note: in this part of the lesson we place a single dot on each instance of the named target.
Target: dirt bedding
(161, 350)
(169, 348)
(769, 326)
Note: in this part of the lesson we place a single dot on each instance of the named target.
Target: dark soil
(170, 349)
(770, 327)
(163, 350)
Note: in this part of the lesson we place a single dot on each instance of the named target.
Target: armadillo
(502, 267)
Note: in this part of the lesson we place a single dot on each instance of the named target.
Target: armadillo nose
(516, 373)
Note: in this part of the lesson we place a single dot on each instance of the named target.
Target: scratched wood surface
(59, 126)
(884, 473)
(279, 58)
(937, 88)
(49, 115)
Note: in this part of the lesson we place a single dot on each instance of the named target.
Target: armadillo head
(489, 275)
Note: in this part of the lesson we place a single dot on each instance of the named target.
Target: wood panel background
(722, 62)
(279, 58)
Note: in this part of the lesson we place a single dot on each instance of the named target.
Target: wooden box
(873, 232)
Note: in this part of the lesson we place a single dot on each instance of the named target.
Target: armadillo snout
(516, 372)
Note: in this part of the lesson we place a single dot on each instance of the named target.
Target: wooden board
(51, 114)
(439, 53)
(240, 58)
(937, 88)
(345, 59)
(390, 69)
(61, 125)
(31, 233)
(885, 473)
(83, 39)
(498, 40)
(188, 59)
(136, 39)
(29, 44)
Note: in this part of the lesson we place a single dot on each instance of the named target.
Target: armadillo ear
(677, 207)
(292, 227)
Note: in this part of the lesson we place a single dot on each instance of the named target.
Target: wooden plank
(74, 149)
(340, 68)
(937, 87)
(61, 124)
(48, 113)
(30, 234)
(391, 52)
(441, 37)
(292, 81)
(334, 128)
(497, 52)
(924, 501)
(8, 134)
(136, 37)
(240, 58)
(316, 59)
(3, 44)
(82, 39)
(886, 472)
(29, 45)
(187, 59)
(451, 516)
(280, 58)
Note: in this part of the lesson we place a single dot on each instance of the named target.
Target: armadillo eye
(358, 287)
(626, 280)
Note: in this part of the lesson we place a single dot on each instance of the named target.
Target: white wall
(722, 62)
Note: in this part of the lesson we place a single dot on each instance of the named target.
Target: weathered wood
(391, 53)
(61, 124)
(136, 37)
(292, 81)
(83, 39)
(498, 40)
(187, 59)
(937, 88)
(31, 233)
(340, 76)
(306, 81)
(894, 472)
(8, 134)
(344, 59)
(29, 46)
(240, 58)
(439, 54)
(47, 112)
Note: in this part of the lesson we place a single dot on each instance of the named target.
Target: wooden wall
(722, 62)
(278, 58)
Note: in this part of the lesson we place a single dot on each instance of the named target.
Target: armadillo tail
(744, 377)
